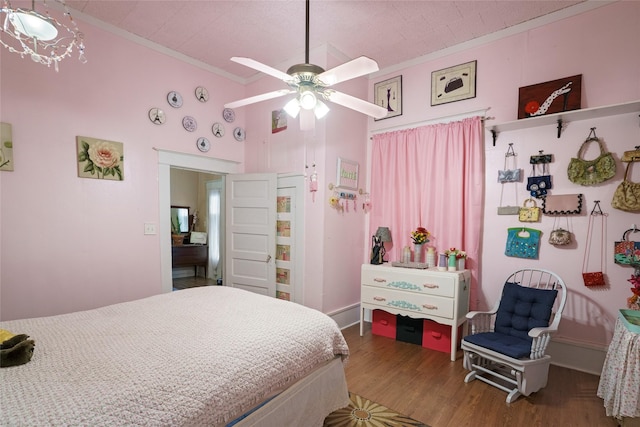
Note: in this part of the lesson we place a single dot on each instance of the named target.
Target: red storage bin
(438, 337)
(384, 324)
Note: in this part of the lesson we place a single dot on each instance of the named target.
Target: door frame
(194, 162)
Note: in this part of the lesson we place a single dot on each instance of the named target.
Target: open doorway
(167, 160)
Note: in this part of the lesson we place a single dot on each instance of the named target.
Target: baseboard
(346, 316)
(581, 356)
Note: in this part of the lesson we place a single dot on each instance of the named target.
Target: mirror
(179, 219)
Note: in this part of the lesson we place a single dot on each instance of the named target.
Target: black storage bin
(409, 329)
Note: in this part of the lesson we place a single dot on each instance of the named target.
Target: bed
(201, 356)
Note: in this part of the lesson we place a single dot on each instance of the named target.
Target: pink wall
(68, 243)
(602, 46)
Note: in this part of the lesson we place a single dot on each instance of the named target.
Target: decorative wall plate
(157, 116)
(202, 94)
(218, 129)
(238, 134)
(189, 123)
(229, 115)
(203, 144)
(174, 99)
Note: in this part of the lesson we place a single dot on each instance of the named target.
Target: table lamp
(383, 234)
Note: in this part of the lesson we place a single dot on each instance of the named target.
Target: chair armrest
(537, 332)
(541, 338)
(472, 314)
(480, 321)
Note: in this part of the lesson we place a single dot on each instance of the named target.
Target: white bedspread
(199, 356)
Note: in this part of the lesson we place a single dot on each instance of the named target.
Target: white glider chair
(506, 346)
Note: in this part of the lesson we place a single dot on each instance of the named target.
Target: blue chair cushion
(505, 344)
(521, 309)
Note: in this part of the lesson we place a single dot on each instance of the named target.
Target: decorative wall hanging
(6, 147)
(591, 172)
(550, 97)
(562, 204)
(594, 278)
(627, 195)
(347, 174)
(217, 129)
(100, 159)
(512, 174)
(627, 252)
(189, 124)
(523, 243)
(539, 181)
(202, 94)
(388, 94)
(157, 116)
(174, 99)
(278, 121)
(453, 83)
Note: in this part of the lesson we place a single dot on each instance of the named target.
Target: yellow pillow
(5, 335)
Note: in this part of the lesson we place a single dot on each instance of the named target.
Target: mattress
(201, 356)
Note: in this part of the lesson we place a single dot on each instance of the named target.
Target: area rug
(362, 412)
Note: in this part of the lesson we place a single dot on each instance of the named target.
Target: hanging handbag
(560, 236)
(627, 252)
(595, 278)
(529, 213)
(591, 172)
(631, 156)
(539, 184)
(522, 243)
(562, 204)
(508, 209)
(627, 195)
(506, 174)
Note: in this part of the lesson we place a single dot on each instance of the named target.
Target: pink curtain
(430, 177)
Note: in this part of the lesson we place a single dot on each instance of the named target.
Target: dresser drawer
(425, 305)
(410, 281)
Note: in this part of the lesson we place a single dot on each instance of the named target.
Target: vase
(452, 263)
(461, 264)
(417, 252)
(431, 257)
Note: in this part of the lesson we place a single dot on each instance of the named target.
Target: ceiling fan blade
(252, 63)
(349, 70)
(357, 104)
(258, 98)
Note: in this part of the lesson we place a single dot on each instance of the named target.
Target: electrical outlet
(150, 228)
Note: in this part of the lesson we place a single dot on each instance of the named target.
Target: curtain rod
(443, 119)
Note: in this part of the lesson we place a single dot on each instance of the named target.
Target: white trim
(568, 12)
(563, 353)
(346, 316)
(443, 119)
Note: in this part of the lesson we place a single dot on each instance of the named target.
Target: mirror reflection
(179, 219)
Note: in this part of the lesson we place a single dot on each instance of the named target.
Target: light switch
(150, 228)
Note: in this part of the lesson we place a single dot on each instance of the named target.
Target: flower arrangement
(633, 302)
(420, 235)
(457, 252)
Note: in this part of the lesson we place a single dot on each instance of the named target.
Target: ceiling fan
(312, 84)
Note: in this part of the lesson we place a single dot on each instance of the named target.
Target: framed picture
(453, 83)
(347, 174)
(6, 147)
(388, 94)
(550, 97)
(100, 159)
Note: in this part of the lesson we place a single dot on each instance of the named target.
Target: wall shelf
(565, 116)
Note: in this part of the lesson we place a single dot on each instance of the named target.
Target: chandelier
(41, 37)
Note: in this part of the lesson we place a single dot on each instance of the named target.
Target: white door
(251, 232)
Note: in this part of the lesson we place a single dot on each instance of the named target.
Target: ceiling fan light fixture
(321, 109)
(307, 99)
(292, 108)
(33, 25)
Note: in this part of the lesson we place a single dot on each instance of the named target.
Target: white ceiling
(273, 32)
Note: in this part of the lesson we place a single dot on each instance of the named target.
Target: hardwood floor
(191, 282)
(424, 384)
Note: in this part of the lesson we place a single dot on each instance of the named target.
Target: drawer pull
(376, 279)
(379, 299)
(430, 307)
(430, 286)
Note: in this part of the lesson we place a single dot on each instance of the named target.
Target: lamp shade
(384, 234)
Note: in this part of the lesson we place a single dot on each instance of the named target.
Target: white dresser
(422, 294)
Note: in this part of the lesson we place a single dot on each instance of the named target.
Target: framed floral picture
(453, 83)
(388, 94)
(6, 147)
(100, 159)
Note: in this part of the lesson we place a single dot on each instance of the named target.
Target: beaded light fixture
(40, 36)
